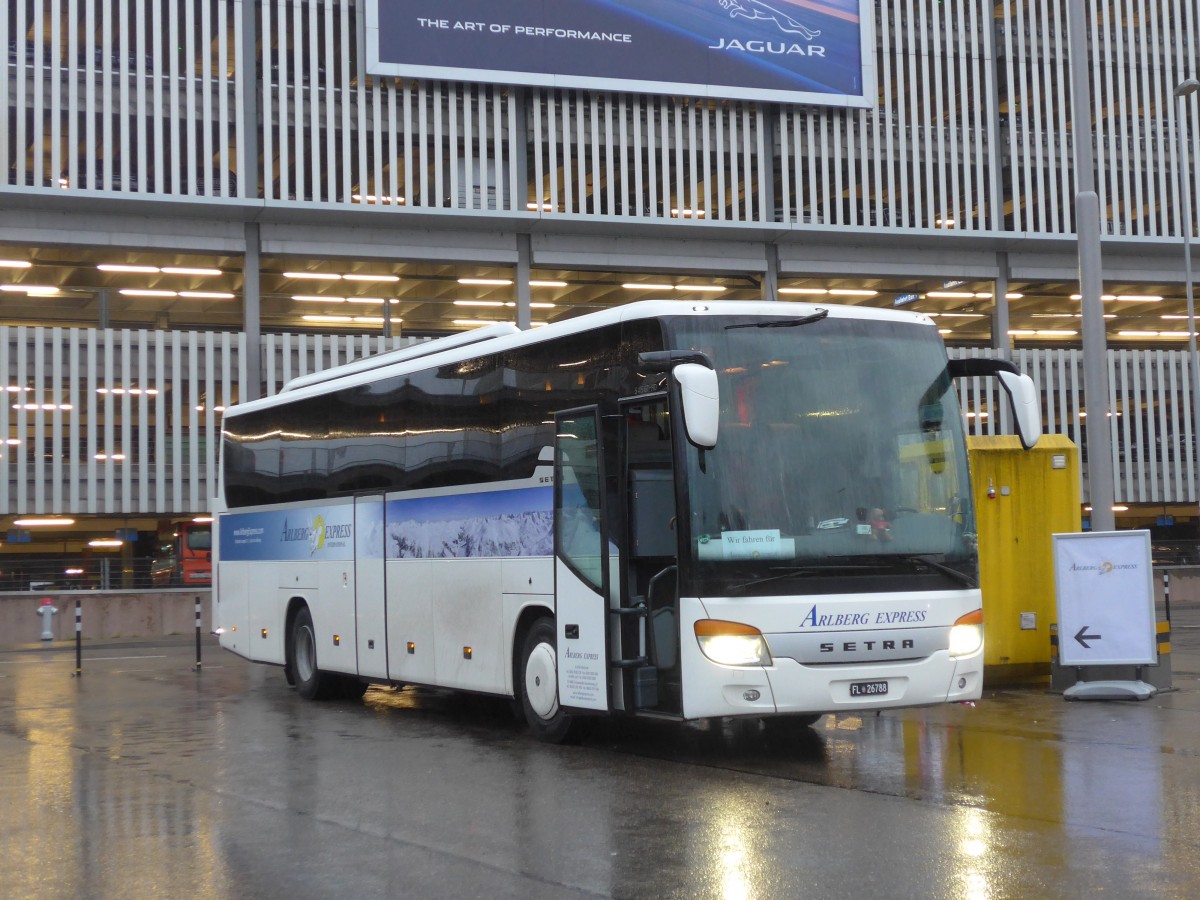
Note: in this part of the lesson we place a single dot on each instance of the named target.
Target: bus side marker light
(966, 637)
(412, 648)
(731, 643)
(467, 652)
(264, 633)
(337, 640)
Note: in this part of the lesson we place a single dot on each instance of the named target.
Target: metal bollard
(47, 611)
(78, 640)
(197, 634)
(1167, 595)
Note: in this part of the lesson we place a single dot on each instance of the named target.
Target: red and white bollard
(47, 611)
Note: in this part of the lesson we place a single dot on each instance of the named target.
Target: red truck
(184, 557)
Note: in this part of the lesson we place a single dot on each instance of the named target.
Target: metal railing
(95, 573)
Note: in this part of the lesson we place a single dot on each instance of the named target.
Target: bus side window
(577, 519)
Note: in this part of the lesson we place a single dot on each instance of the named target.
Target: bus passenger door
(651, 569)
(581, 553)
(369, 586)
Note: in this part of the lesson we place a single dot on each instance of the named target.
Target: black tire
(352, 688)
(311, 682)
(537, 680)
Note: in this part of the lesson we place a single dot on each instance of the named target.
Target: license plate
(868, 688)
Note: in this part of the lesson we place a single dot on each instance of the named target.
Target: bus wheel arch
(301, 654)
(536, 682)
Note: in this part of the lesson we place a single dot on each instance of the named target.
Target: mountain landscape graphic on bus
(491, 524)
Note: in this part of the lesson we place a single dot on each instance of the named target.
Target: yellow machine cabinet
(1022, 497)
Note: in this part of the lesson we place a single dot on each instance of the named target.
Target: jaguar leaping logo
(756, 9)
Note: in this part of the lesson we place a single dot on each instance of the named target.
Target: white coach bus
(727, 509)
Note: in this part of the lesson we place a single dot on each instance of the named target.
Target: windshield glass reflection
(840, 451)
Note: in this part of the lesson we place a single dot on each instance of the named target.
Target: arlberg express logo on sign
(1105, 568)
(757, 11)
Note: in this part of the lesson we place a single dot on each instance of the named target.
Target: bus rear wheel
(311, 682)
(538, 677)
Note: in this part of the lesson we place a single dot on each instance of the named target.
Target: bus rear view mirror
(701, 403)
(1022, 393)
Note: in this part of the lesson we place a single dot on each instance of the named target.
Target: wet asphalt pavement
(146, 778)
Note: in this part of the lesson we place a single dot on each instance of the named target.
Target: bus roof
(490, 339)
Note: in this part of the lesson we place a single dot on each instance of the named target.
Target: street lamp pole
(1087, 228)
(1184, 90)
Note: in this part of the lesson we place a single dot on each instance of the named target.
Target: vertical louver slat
(36, 443)
(161, 387)
(107, 435)
(178, 400)
(212, 393)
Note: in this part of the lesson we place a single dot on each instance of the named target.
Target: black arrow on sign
(1084, 638)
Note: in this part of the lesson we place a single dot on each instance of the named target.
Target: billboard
(788, 51)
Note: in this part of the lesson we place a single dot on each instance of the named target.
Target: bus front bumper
(787, 687)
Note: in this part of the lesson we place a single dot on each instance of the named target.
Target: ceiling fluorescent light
(547, 284)
(120, 267)
(486, 281)
(189, 270)
(319, 276)
(145, 292)
(638, 286)
(367, 277)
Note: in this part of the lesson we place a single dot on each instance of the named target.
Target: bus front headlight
(966, 635)
(732, 643)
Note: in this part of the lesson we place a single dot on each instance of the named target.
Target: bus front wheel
(311, 682)
(539, 684)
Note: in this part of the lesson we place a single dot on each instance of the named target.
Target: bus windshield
(840, 456)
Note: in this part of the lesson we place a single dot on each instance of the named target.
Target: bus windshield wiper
(789, 322)
(810, 569)
(925, 559)
(873, 562)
